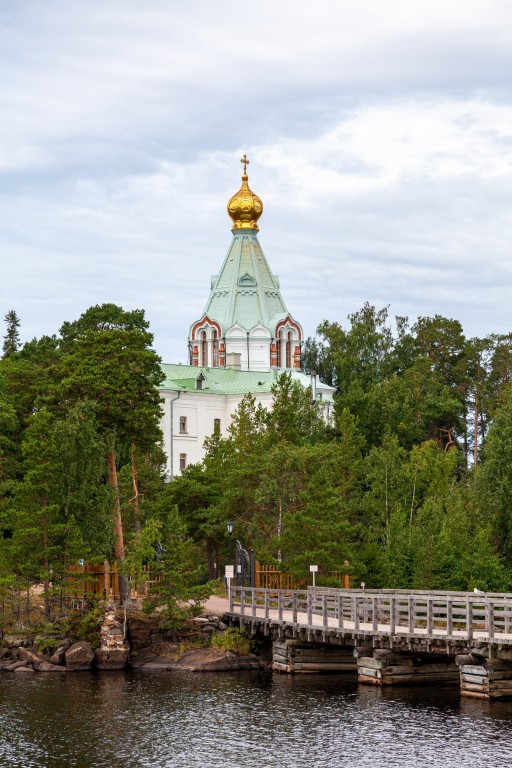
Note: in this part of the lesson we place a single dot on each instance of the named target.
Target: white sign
(313, 568)
(229, 572)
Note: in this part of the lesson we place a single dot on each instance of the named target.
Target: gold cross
(245, 161)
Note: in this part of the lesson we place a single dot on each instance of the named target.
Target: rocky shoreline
(132, 640)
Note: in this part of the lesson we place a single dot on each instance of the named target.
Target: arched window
(289, 350)
(215, 349)
(204, 349)
(281, 350)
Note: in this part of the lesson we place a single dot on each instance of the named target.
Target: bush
(233, 640)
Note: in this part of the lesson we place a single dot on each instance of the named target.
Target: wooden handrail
(448, 615)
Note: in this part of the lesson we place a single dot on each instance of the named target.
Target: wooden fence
(102, 580)
(271, 577)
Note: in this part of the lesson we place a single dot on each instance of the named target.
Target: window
(183, 425)
(289, 351)
(215, 349)
(183, 460)
(204, 349)
(216, 426)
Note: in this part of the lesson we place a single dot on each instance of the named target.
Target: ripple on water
(138, 720)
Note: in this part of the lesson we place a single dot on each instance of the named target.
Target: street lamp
(230, 526)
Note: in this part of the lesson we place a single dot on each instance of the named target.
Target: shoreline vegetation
(137, 640)
(404, 482)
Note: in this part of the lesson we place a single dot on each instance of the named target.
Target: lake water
(135, 719)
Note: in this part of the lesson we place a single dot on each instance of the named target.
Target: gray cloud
(380, 142)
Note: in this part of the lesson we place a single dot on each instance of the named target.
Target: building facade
(244, 340)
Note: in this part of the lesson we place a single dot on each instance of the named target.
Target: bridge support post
(484, 678)
(395, 668)
(296, 656)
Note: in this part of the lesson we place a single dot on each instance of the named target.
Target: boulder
(112, 658)
(45, 666)
(15, 641)
(25, 669)
(79, 656)
(14, 665)
(59, 657)
(32, 656)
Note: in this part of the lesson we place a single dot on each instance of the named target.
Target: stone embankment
(132, 639)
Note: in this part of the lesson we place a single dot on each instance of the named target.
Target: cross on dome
(245, 208)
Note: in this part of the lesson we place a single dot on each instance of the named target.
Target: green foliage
(86, 626)
(234, 640)
(182, 585)
(12, 336)
(410, 480)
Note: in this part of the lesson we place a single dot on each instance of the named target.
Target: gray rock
(45, 666)
(13, 666)
(59, 657)
(25, 669)
(15, 641)
(33, 657)
(112, 658)
(79, 656)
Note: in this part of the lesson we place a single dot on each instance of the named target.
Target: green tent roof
(227, 381)
(245, 291)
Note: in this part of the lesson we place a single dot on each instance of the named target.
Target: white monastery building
(244, 340)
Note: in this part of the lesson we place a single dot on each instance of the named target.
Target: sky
(379, 136)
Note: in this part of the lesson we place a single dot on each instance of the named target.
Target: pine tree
(108, 359)
(12, 337)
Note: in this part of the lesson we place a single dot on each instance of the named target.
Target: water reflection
(231, 720)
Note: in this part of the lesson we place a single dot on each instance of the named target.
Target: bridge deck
(451, 616)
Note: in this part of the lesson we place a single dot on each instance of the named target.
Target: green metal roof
(245, 291)
(227, 381)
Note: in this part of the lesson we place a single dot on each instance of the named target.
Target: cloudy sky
(379, 136)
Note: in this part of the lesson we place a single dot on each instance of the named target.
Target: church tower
(245, 324)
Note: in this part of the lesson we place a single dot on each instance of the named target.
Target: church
(244, 340)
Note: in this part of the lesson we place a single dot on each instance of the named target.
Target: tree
(494, 477)
(108, 358)
(12, 337)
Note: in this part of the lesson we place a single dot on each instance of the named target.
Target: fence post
(469, 618)
(489, 610)
(392, 616)
(449, 616)
(430, 615)
(355, 608)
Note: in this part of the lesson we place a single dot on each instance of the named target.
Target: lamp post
(230, 526)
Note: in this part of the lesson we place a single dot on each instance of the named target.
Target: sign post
(313, 569)
(229, 574)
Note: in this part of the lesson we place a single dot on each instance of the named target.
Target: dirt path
(216, 605)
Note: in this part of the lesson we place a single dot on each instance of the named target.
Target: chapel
(244, 340)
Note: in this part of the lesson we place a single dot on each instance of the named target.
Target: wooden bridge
(387, 636)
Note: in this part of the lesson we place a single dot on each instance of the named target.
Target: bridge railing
(447, 615)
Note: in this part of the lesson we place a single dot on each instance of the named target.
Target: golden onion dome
(245, 207)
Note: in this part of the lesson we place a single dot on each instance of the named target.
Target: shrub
(233, 640)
